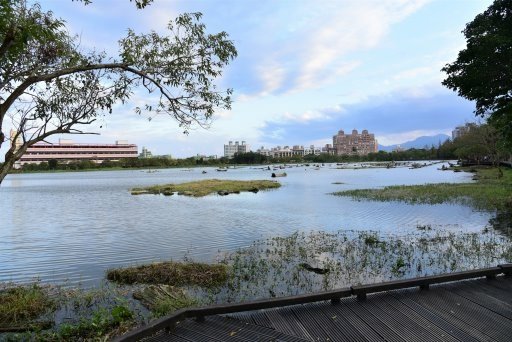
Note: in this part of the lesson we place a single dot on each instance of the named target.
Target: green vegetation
(209, 186)
(67, 314)
(164, 299)
(21, 306)
(482, 70)
(71, 87)
(172, 273)
(491, 191)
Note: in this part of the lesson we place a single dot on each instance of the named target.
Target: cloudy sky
(305, 69)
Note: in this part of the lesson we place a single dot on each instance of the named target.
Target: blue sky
(305, 69)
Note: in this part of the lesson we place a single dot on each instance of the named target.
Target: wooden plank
(404, 327)
(482, 297)
(336, 326)
(355, 321)
(431, 315)
(490, 323)
(270, 334)
(163, 336)
(377, 325)
(428, 301)
(430, 325)
(407, 325)
(287, 324)
(304, 314)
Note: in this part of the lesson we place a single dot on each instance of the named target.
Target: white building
(231, 149)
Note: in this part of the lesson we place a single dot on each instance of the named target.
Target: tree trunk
(7, 165)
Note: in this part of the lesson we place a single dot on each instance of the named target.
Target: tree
(483, 70)
(48, 85)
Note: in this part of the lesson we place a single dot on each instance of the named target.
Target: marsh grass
(21, 305)
(80, 314)
(489, 192)
(172, 273)
(273, 267)
(164, 299)
(208, 186)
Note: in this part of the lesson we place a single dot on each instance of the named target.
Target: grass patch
(489, 192)
(164, 299)
(172, 273)
(21, 305)
(208, 186)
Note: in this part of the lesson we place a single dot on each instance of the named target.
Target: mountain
(419, 142)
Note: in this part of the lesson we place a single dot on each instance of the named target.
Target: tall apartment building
(461, 130)
(355, 143)
(230, 149)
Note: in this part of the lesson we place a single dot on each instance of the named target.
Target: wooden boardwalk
(469, 310)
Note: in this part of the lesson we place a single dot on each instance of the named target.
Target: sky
(305, 69)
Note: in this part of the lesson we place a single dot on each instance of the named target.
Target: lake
(70, 227)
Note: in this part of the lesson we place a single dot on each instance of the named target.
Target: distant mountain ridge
(419, 142)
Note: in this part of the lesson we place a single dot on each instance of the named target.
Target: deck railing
(334, 296)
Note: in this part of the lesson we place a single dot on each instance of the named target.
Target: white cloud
(346, 29)
(305, 117)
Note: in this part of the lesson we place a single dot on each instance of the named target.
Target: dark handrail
(360, 291)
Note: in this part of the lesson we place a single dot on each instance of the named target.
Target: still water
(71, 227)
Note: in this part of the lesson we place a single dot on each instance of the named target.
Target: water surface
(71, 227)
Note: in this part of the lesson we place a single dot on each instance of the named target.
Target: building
(231, 149)
(287, 152)
(145, 153)
(461, 130)
(355, 143)
(67, 151)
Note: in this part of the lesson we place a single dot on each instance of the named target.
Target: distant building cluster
(461, 130)
(343, 144)
(231, 149)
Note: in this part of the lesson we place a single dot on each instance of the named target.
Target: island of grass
(491, 191)
(208, 186)
(172, 273)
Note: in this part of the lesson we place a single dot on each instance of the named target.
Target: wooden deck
(468, 310)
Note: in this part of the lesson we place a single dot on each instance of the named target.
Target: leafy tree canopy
(483, 70)
(49, 85)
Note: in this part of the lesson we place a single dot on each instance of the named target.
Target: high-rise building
(354, 143)
(231, 149)
(461, 130)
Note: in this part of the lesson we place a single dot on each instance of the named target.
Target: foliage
(49, 86)
(482, 71)
(208, 186)
(249, 158)
(482, 143)
(171, 273)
